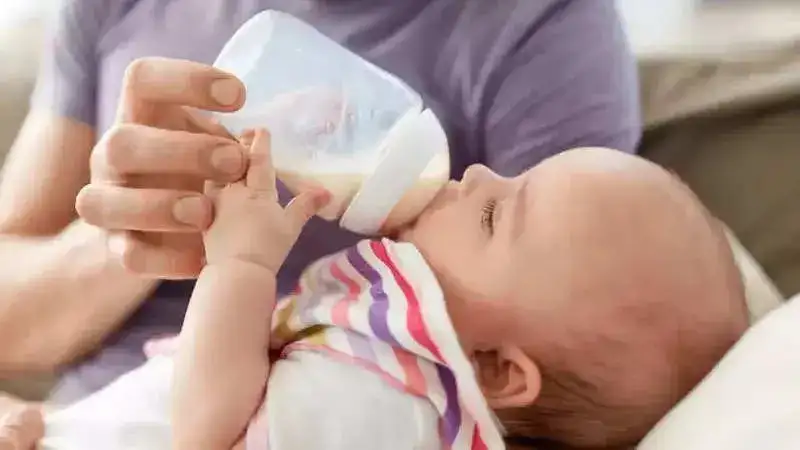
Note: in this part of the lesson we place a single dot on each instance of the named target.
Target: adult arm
(570, 82)
(60, 290)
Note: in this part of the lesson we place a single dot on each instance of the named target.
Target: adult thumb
(305, 206)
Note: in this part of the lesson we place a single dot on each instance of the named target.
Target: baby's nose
(477, 174)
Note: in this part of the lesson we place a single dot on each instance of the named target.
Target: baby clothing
(369, 359)
(378, 306)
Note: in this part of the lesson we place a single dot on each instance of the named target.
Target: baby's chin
(406, 234)
(402, 234)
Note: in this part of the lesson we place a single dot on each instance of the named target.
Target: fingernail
(190, 211)
(228, 159)
(226, 91)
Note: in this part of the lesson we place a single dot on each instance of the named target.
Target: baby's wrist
(245, 263)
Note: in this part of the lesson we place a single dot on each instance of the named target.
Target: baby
(574, 304)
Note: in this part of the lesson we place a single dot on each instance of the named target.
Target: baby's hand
(250, 225)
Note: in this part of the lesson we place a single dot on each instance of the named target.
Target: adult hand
(21, 428)
(148, 170)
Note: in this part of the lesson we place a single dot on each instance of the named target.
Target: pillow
(750, 400)
(761, 294)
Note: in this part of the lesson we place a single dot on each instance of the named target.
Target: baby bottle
(338, 122)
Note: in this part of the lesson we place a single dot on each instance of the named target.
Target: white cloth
(312, 397)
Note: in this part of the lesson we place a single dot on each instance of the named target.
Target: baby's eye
(487, 215)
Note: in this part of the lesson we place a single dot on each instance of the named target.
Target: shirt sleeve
(571, 82)
(68, 74)
(316, 402)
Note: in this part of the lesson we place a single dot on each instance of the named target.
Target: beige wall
(19, 47)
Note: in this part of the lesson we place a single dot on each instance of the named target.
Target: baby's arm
(222, 363)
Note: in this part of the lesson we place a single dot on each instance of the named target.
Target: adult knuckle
(135, 71)
(119, 144)
(87, 204)
(113, 149)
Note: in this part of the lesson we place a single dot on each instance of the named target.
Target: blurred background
(720, 91)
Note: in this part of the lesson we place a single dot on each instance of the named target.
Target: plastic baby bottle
(336, 121)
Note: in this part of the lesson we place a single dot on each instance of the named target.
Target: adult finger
(260, 172)
(305, 206)
(179, 257)
(131, 149)
(151, 83)
(119, 208)
(198, 121)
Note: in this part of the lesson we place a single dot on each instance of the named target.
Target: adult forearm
(60, 296)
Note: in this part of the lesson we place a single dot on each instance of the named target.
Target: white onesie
(369, 360)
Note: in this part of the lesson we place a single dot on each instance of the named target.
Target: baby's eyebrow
(520, 205)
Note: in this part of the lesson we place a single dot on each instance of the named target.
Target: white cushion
(761, 294)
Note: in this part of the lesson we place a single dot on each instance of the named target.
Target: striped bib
(378, 305)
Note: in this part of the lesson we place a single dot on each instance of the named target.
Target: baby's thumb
(305, 206)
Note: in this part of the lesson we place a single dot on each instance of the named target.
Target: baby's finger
(212, 189)
(260, 173)
(305, 206)
(247, 137)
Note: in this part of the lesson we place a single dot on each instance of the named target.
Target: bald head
(642, 296)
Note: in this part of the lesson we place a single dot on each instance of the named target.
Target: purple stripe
(451, 420)
(379, 308)
(362, 347)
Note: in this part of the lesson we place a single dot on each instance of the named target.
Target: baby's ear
(508, 377)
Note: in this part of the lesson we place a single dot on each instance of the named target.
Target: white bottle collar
(409, 147)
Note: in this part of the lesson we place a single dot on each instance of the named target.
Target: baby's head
(592, 292)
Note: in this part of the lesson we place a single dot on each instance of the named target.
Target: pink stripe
(414, 377)
(477, 441)
(416, 324)
(339, 314)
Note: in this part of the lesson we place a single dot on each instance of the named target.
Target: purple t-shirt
(513, 82)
